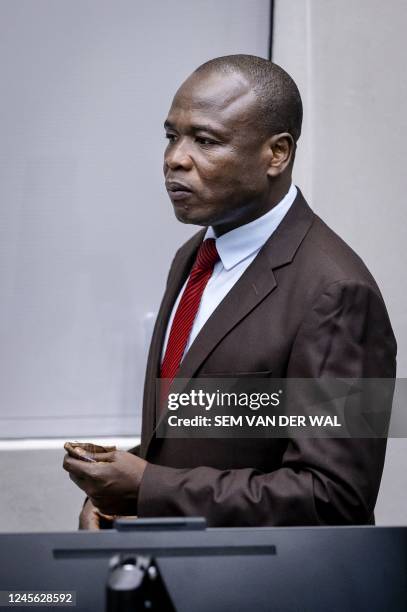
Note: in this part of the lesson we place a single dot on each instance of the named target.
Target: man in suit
(266, 289)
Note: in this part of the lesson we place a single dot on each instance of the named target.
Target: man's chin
(187, 214)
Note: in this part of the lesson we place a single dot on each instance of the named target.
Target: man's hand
(111, 482)
(89, 517)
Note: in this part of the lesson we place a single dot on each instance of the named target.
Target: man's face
(215, 163)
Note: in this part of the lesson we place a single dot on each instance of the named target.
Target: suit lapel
(178, 274)
(254, 285)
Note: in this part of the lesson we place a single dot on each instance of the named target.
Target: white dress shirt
(236, 249)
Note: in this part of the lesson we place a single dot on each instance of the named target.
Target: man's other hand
(89, 517)
(111, 482)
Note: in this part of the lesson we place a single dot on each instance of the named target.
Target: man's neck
(279, 191)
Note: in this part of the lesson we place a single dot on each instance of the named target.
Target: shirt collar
(241, 242)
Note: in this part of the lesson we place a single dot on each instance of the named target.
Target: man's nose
(177, 156)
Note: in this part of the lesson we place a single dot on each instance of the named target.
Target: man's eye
(170, 137)
(204, 141)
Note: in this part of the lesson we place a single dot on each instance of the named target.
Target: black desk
(324, 569)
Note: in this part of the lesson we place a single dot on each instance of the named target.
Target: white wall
(86, 87)
(349, 62)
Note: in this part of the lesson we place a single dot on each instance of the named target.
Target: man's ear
(281, 149)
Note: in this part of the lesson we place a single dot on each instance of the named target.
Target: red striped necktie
(188, 307)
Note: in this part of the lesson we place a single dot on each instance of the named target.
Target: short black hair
(280, 105)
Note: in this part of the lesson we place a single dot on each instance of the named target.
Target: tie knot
(207, 255)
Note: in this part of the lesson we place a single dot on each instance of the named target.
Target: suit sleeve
(321, 481)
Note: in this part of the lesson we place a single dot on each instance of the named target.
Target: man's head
(232, 130)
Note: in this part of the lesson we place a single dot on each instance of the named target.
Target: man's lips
(177, 190)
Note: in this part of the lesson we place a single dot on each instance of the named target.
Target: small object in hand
(81, 450)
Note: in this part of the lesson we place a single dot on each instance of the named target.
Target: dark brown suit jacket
(306, 307)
